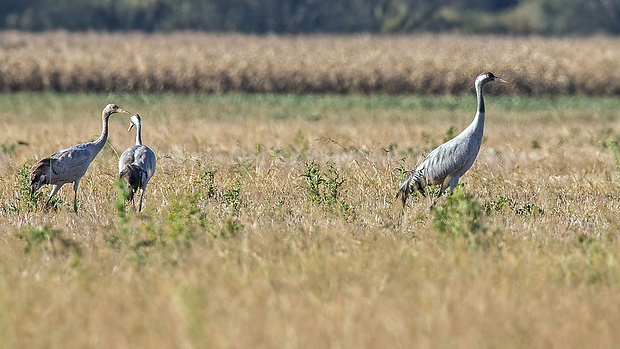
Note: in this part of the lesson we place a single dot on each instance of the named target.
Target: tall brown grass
(209, 63)
(232, 250)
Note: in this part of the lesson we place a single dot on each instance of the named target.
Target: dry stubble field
(209, 63)
(272, 222)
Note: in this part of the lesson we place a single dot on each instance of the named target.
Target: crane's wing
(445, 160)
(70, 164)
(145, 159)
(126, 158)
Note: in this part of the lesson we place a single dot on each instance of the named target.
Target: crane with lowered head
(137, 163)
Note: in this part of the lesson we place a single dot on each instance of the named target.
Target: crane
(69, 165)
(449, 161)
(137, 163)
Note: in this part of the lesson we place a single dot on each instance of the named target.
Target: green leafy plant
(325, 188)
(449, 134)
(232, 227)
(232, 198)
(612, 145)
(8, 148)
(123, 192)
(503, 202)
(49, 239)
(27, 201)
(461, 216)
(207, 184)
(185, 219)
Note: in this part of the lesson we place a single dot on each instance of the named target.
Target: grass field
(271, 221)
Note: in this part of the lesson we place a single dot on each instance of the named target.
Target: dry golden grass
(193, 62)
(281, 270)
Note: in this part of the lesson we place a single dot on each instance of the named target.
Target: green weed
(301, 142)
(48, 239)
(26, 201)
(325, 188)
(185, 219)
(123, 192)
(506, 202)
(449, 134)
(612, 145)
(232, 198)
(8, 148)
(207, 184)
(461, 216)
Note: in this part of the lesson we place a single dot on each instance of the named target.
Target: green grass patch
(46, 105)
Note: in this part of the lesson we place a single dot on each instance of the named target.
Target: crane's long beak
(121, 110)
(130, 127)
(501, 80)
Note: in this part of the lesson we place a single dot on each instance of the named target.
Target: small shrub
(402, 169)
(325, 188)
(449, 134)
(506, 202)
(48, 239)
(29, 202)
(207, 184)
(26, 201)
(123, 192)
(314, 181)
(232, 198)
(461, 216)
(8, 148)
(301, 142)
(185, 219)
(612, 145)
(232, 228)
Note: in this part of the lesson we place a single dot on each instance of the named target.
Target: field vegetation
(362, 64)
(272, 221)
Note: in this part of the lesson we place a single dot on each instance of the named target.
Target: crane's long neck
(478, 123)
(139, 134)
(100, 142)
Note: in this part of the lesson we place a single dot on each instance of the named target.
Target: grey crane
(137, 163)
(449, 161)
(69, 165)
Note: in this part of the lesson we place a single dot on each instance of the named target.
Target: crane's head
(135, 121)
(486, 77)
(113, 108)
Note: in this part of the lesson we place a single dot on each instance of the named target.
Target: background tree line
(546, 17)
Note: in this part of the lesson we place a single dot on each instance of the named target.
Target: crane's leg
(55, 189)
(141, 195)
(444, 185)
(75, 189)
(454, 181)
(446, 182)
(133, 201)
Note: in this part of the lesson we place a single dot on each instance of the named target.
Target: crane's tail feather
(135, 176)
(413, 181)
(40, 174)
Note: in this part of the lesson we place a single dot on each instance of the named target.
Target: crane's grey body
(137, 163)
(447, 163)
(69, 165)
